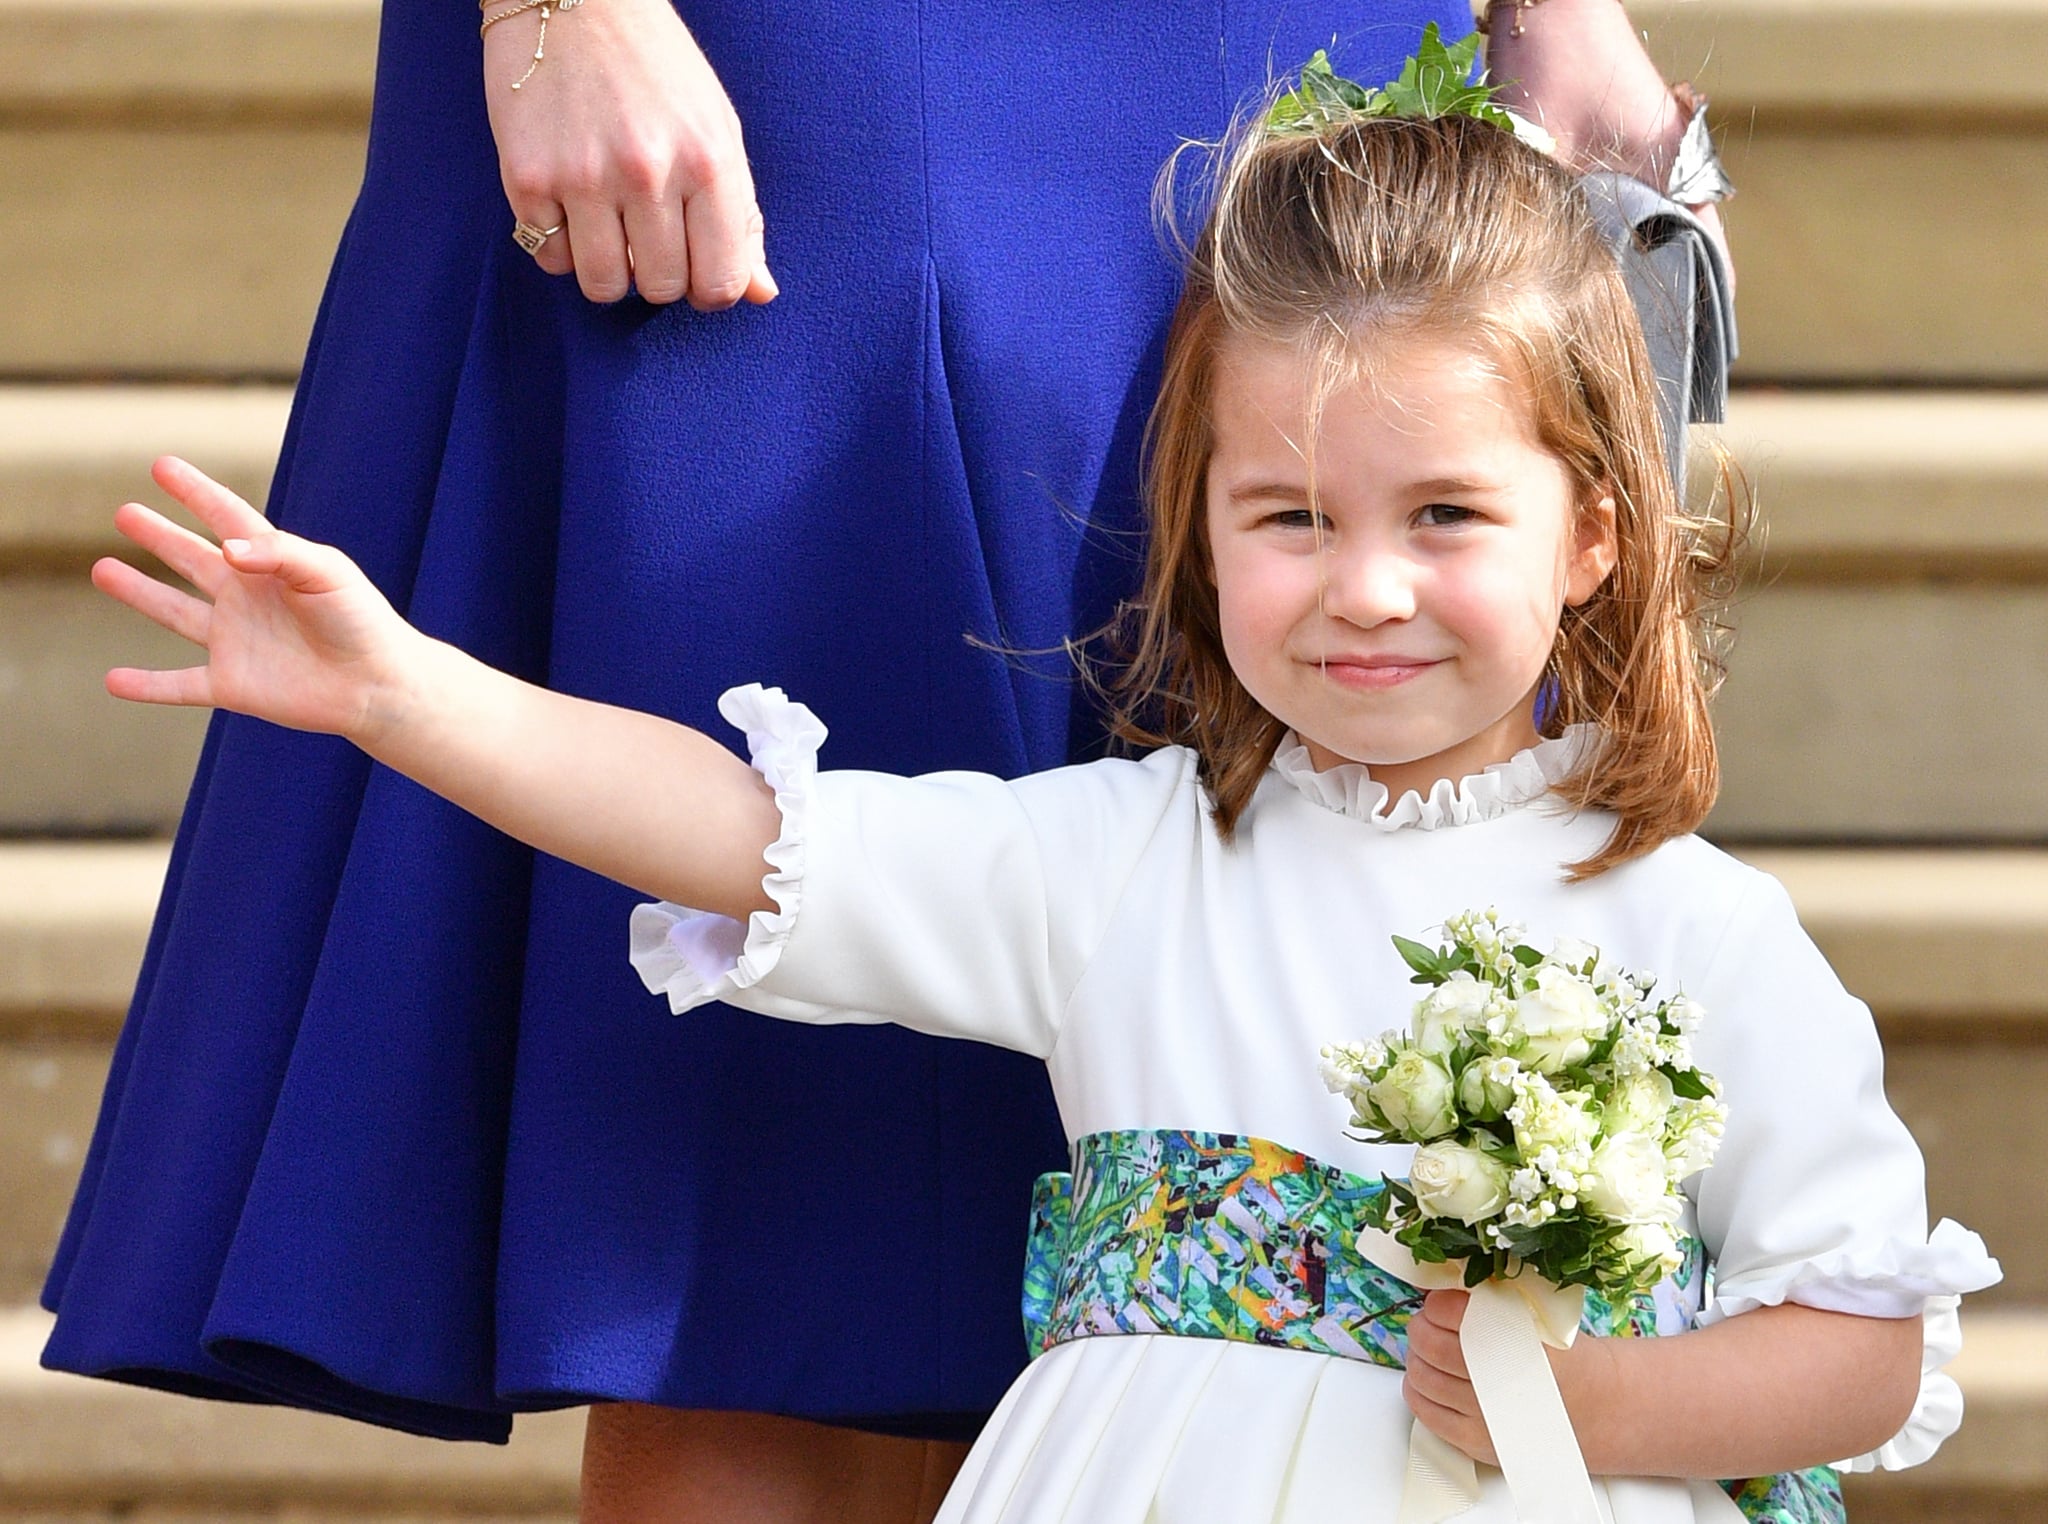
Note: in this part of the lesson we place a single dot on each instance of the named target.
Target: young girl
(1407, 496)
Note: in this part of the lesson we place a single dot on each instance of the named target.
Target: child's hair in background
(1346, 241)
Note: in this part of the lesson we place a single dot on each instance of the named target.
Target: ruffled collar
(1348, 788)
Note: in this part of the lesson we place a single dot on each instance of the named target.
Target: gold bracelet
(1484, 26)
(519, 8)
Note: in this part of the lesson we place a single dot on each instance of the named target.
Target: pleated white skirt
(1155, 1429)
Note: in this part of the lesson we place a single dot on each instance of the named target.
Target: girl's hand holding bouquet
(1555, 1107)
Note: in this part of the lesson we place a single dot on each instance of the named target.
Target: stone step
(174, 175)
(70, 454)
(1873, 146)
(133, 132)
(72, 1447)
(142, 58)
(1890, 486)
(1893, 712)
(1944, 945)
(76, 759)
(1887, 674)
(1854, 485)
(76, 1450)
(1924, 512)
(169, 248)
(1855, 58)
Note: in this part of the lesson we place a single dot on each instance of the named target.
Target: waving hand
(293, 631)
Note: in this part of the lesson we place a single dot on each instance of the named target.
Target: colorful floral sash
(1217, 1236)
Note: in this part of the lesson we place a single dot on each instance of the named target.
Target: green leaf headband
(1433, 83)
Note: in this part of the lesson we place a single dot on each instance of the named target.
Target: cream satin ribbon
(1506, 1327)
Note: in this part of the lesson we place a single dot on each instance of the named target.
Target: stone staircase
(173, 174)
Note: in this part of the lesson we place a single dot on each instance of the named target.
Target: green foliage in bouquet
(1554, 1104)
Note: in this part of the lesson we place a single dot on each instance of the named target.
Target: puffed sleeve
(957, 904)
(1818, 1193)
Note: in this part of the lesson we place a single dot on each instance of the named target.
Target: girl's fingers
(1446, 1308)
(1442, 1388)
(304, 566)
(1436, 1352)
(190, 687)
(1433, 1335)
(1453, 1428)
(195, 559)
(215, 507)
(177, 611)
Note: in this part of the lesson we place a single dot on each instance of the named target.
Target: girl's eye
(1443, 515)
(1292, 518)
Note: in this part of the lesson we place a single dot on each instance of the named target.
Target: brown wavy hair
(1371, 230)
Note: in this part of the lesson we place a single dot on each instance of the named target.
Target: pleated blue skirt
(392, 1129)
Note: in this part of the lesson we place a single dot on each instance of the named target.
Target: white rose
(1452, 1009)
(1640, 1103)
(1453, 1180)
(1650, 1240)
(1545, 1119)
(1560, 1019)
(1578, 956)
(1629, 1181)
(1486, 1089)
(1414, 1095)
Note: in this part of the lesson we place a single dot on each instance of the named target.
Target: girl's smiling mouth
(1373, 673)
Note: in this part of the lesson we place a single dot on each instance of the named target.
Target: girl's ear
(1595, 549)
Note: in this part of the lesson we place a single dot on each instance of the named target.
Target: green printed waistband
(1220, 1236)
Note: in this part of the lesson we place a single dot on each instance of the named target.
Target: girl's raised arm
(295, 633)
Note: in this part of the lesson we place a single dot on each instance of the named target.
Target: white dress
(1091, 916)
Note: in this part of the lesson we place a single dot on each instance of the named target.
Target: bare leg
(649, 1465)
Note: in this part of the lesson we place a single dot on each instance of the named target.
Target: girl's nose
(1369, 587)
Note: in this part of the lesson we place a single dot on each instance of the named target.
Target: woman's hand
(624, 136)
(293, 631)
(1580, 70)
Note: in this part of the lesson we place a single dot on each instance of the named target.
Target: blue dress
(392, 1129)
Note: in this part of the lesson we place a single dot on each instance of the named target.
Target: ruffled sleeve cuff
(1897, 1279)
(695, 957)
(1889, 1280)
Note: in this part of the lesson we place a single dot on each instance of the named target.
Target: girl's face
(1409, 627)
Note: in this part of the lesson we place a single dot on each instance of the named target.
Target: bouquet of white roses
(1554, 1103)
